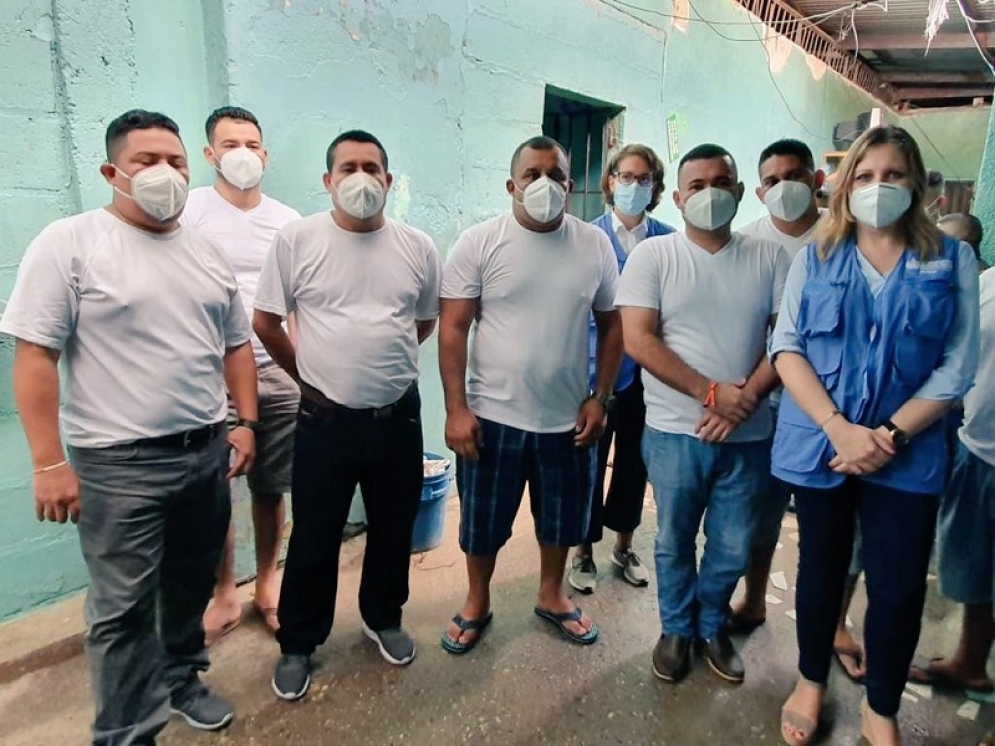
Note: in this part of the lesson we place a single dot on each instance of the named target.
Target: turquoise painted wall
(984, 202)
(450, 86)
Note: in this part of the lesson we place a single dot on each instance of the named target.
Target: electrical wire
(939, 152)
(974, 37)
(814, 20)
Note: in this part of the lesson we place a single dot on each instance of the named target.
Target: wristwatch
(898, 436)
(605, 400)
(253, 425)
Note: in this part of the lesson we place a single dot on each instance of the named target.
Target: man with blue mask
(236, 214)
(364, 290)
(529, 279)
(146, 316)
(696, 308)
(631, 185)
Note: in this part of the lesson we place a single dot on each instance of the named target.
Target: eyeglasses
(627, 177)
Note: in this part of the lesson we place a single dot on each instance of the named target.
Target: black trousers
(897, 530)
(622, 509)
(335, 449)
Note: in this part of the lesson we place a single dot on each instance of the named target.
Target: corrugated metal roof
(890, 37)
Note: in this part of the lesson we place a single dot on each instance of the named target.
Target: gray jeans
(152, 529)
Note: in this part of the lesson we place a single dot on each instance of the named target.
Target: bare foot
(561, 604)
(879, 730)
(268, 599)
(471, 611)
(805, 701)
(952, 673)
(849, 654)
(221, 617)
(746, 616)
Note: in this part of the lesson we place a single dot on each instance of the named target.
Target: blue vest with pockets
(627, 373)
(871, 355)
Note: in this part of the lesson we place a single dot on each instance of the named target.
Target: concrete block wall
(450, 86)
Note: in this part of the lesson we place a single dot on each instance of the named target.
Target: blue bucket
(431, 521)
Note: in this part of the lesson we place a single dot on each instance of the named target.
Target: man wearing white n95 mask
(696, 308)
(236, 214)
(146, 316)
(364, 291)
(788, 183)
(529, 279)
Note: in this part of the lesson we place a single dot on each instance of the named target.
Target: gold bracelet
(53, 467)
(825, 422)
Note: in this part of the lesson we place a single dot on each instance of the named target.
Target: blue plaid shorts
(559, 476)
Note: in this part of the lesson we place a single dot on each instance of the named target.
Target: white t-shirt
(357, 297)
(529, 357)
(714, 313)
(765, 228)
(978, 432)
(142, 320)
(246, 235)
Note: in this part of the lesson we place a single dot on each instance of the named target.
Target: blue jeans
(722, 483)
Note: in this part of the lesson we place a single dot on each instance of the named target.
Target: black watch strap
(253, 425)
(898, 436)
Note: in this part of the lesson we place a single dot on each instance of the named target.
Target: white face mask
(880, 205)
(710, 209)
(544, 199)
(360, 195)
(788, 200)
(241, 167)
(159, 191)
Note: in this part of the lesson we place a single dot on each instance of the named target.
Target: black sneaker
(292, 676)
(722, 657)
(200, 707)
(396, 645)
(672, 658)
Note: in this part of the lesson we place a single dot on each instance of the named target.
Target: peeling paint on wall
(817, 66)
(779, 51)
(682, 12)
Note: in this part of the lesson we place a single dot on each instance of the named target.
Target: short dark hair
(789, 147)
(135, 119)
(540, 142)
(229, 112)
(934, 179)
(974, 232)
(706, 152)
(354, 136)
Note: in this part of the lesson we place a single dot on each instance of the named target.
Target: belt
(314, 396)
(190, 440)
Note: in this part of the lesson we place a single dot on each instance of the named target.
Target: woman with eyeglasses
(876, 338)
(631, 186)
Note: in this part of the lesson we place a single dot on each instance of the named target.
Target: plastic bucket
(431, 521)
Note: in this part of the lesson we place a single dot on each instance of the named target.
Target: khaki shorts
(279, 398)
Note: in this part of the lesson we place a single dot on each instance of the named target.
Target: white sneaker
(633, 569)
(583, 574)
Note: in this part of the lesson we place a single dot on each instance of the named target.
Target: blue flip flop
(465, 625)
(559, 621)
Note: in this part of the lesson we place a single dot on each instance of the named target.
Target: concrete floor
(522, 685)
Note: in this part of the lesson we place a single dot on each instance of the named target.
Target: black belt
(314, 396)
(190, 440)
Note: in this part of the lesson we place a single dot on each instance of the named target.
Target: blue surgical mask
(632, 199)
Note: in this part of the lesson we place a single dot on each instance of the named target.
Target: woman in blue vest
(876, 338)
(632, 184)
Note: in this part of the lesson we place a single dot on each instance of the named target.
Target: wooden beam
(924, 78)
(914, 41)
(921, 94)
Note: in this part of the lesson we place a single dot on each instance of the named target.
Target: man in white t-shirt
(966, 525)
(364, 291)
(529, 279)
(696, 308)
(788, 183)
(146, 316)
(236, 214)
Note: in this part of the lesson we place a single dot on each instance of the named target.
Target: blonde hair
(839, 224)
